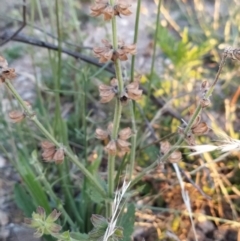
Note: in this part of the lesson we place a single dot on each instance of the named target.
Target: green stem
(111, 158)
(154, 48)
(68, 153)
(135, 36)
(117, 115)
(133, 140)
(132, 105)
(117, 63)
(57, 82)
(188, 127)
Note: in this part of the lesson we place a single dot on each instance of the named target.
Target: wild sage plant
(116, 139)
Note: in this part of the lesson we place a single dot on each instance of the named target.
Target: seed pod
(48, 154)
(165, 147)
(8, 73)
(111, 148)
(123, 145)
(59, 156)
(47, 145)
(175, 157)
(101, 134)
(125, 133)
(205, 86)
(201, 128)
(205, 103)
(16, 116)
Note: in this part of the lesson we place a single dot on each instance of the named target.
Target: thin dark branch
(79, 47)
(36, 42)
(20, 28)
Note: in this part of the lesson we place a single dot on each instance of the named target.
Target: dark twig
(20, 28)
(35, 42)
(78, 47)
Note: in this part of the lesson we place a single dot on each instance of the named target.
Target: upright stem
(133, 140)
(117, 115)
(132, 105)
(68, 153)
(135, 36)
(154, 47)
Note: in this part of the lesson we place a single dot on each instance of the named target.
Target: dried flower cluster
(42, 223)
(107, 53)
(51, 153)
(107, 92)
(198, 128)
(102, 7)
(232, 53)
(131, 91)
(16, 116)
(5, 72)
(115, 147)
(174, 157)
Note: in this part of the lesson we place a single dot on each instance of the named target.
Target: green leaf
(127, 222)
(22, 199)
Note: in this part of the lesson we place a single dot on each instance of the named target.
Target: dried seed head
(8, 74)
(190, 139)
(104, 53)
(108, 13)
(5, 72)
(122, 8)
(205, 102)
(232, 53)
(108, 92)
(123, 50)
(102, 7)
(59, 156)
(16, 116)
(205, 86)
(132, 91)
(125, 133)
(123, 146)
(111, 148)
(48, 154)
(175, 157)
(165, 146)
(200, 129)
(107, 53)
(47, 145)
(101, 134)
